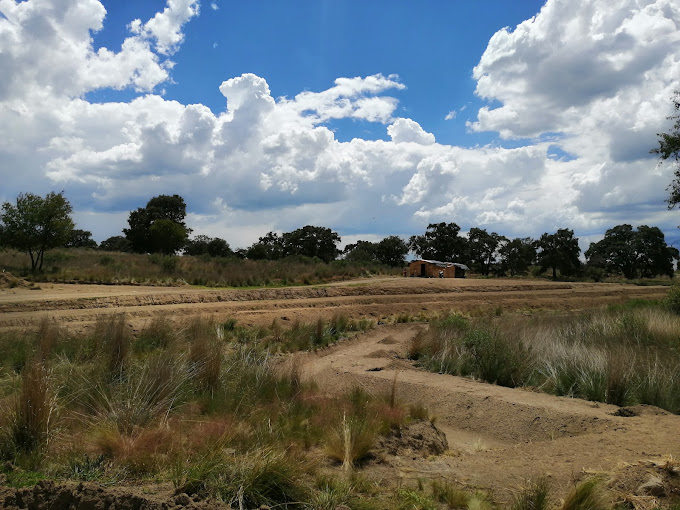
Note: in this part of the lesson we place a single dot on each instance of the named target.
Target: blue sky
(306, 45)
(372, 118)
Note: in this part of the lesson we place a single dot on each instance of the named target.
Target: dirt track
(77, 306)
(498, 437)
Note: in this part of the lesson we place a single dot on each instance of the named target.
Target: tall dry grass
(93, 266)
(618, 356)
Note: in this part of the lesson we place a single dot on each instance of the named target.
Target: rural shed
(431, 268)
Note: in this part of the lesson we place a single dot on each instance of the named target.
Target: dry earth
(498, 437)
(77, 306)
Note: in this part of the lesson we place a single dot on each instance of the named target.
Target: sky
(371, 118)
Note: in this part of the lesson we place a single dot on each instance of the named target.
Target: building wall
(431, 270)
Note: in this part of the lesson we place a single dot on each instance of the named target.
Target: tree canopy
(115, 243)
(81, 239)
(159, 227)
(669, 148)
(642, 253)
(559, 251)
(483, 248)
(205, 245)
(440, 242)
(390, 251)
(517, 255)
(35, 224)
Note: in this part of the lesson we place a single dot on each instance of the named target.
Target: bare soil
(494, 438)
(498, 437)
(77, 306)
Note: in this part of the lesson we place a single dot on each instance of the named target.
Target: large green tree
(205, 245)
(312, 241)
(159, 227)
(559, 251)
(440, 242)
(35, 224)
(483, 249)
(391, 251)
(642, 253)
(268, 247)
(517, 255)
(669, 148)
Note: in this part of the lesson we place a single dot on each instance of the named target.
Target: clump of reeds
(112, 333)
(534, 496)
(33, 410)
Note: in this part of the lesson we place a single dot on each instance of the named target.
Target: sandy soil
(77, 306)
(498, 437)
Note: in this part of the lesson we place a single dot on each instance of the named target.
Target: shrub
(351, 440)
(587, 495)
(535, 496)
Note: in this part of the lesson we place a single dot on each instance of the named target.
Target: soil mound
(47, 495)
(648, 484)
(421, 437)
(9, 281)
(640, 410)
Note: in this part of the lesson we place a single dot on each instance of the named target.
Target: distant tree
(159, 227)
(81, 239)
(116, 243)
(483, 248)
(440, 242)
(35, 224)
(392, 251)
(268, 247)
(642, 253)
(312, 241)
(219, 248)
(559, 251)
(361, 251)
(517, 255)
(198, 245)
(669, 148)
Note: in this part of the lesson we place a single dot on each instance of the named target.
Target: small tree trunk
(34, 261)
(554, 272)
(41, 256)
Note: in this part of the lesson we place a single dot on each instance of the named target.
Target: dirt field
(77, 306)
(498, 437)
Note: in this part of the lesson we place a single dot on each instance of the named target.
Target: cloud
(409, 131)
(214, 6)
(451, 115)
(269, 163)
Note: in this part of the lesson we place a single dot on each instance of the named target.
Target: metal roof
(443, 264)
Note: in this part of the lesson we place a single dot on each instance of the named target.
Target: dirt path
(498, 437)
(77, 306)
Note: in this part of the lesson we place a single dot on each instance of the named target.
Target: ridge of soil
(77, 306)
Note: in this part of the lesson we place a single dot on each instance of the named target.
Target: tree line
(35, 224)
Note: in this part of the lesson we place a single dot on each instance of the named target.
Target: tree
(312, 241)
(642, 253)
(158, 227)
(361, 251)
(559, 251)
(440, 242)
(116, 243)
(391, 251)
(197, 246)
(37, 224)
(268, 247)
(219, 248)
(517, 255)
(482, 249)
(669, 148)
(81, 239)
